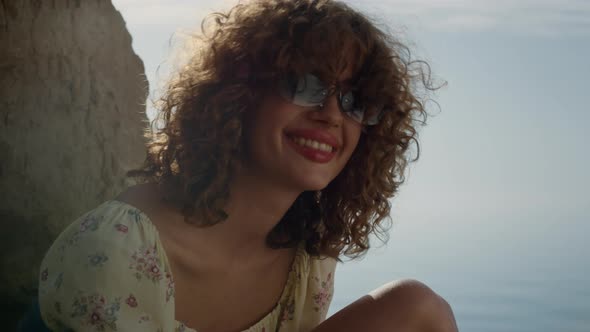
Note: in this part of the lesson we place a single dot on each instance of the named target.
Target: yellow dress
(108, 271)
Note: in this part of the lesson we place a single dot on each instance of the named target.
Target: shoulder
(318, 266)
(312, 294)
(320, 279)
(113, 226)
(148, 198)
(322, 283)
(321, 275)
(140, 196)
(106, 269)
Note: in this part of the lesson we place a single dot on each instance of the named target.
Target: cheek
(267, 123)
(261, 119)
(353, 133)
(274, 112)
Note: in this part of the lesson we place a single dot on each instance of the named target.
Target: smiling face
(302, 148)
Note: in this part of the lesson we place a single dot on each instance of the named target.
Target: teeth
(313, 144)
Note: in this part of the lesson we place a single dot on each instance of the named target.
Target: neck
(254, 208)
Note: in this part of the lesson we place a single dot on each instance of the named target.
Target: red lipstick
(310, 153)
(321, 136)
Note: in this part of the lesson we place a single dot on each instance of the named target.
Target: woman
(281, 141)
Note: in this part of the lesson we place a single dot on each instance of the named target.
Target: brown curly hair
(240, 56)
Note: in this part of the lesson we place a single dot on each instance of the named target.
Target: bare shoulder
(136, 193)
(145, 197)
(149, 199)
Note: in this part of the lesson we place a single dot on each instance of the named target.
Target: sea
(500, 273)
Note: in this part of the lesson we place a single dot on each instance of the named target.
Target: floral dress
(108, 271)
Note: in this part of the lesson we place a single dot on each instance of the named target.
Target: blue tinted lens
(373, 119)
(306, 91)
(310, 91)
(356, 115)
(347, 102)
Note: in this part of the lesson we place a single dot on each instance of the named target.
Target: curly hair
(240, 56)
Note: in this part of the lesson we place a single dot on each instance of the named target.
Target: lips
(316, 135)
(310, 153)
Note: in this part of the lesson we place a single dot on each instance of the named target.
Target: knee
(422, 307)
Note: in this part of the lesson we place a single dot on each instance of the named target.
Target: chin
(315, 188)
(310, 184)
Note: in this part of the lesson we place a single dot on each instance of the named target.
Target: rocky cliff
(72, 94)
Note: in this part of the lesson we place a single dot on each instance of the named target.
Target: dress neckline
(294, 270)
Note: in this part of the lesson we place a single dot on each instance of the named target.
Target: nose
(330, 112)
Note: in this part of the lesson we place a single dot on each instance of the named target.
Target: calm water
(517, 274)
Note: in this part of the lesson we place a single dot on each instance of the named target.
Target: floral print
(180, 328)
(97, 260)
(146, 263)
(323, 296)
(58, 280)
(131, 301)
(288, 311)
(143, 318)
(88, 223)
(135, 214)
(122, 228)
(169, 286)
(96, 311)
(108, 272)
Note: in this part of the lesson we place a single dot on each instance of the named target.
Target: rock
(72, 95)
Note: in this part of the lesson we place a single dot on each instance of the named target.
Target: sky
(510, 133)
(505, 158)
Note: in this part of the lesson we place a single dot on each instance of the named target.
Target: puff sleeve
(107, 271)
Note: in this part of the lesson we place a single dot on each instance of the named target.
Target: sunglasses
(309, 91)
